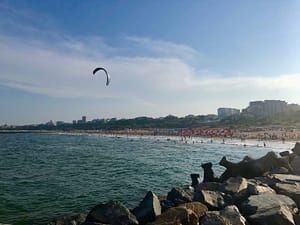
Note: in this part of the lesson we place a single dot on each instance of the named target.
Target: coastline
(261, 136)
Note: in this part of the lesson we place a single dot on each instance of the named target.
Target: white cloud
(156, 85)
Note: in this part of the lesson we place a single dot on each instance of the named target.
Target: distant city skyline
(255, 108)
(170, 57)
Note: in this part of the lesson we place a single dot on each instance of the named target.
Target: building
(83, 120)
(269, 108)
(226, 112)
(59, 123)
(293, 107)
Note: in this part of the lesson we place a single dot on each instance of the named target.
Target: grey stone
(212, 199)
(296, 148)
(234, 185)
(295, 164)
(291, 190)
(256, 187)
(285, 178)
(270, 209)
(179, 196)
(75, 219)
(232, 214)
(148, 209)
(112, 212)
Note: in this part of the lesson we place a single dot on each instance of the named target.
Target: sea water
(43, 176)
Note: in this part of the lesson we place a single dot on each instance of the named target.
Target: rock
(234, 185)
(281, 170)
(213, 218)
(291, 190)
(165, 205)
(148, 209)
(232, 214)
(69, 220)
(209, 175)
(177, 216)
(198, 208)
(179, 196)
(296, 149)
(112, 212)
(209, 186)
(256, 187)
(295, 164)
(195, 179)
(250, 168)
(214, 200)
(270, 209)
(285, 178)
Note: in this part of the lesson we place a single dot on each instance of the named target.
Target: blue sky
(164, 57)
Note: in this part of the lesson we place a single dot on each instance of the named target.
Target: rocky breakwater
(251, 192)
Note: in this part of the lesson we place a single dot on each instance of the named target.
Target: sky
(166, 57)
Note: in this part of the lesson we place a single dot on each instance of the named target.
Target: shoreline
(260, 136)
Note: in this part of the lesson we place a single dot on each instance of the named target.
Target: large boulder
(295, 164)
(198, 208)
(232, 214)
(296, 149)
(179, 196)
(112, 212)
(69, 220)
(237, 188)
(234, 185)
(291, 190)
(270, 209)
(176, 216)
(214, 200)
(214, 218)
(148, 209)
(256, 187)
(285, 178)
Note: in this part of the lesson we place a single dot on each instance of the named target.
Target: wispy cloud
(166, 49)
(150, 75)
(37, 67)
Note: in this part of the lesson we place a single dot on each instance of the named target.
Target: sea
(44, 176)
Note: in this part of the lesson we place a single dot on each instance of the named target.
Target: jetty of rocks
(251, 192)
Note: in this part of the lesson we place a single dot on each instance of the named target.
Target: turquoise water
(46, 175)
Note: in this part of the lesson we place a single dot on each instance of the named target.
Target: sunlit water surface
(47, 175)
